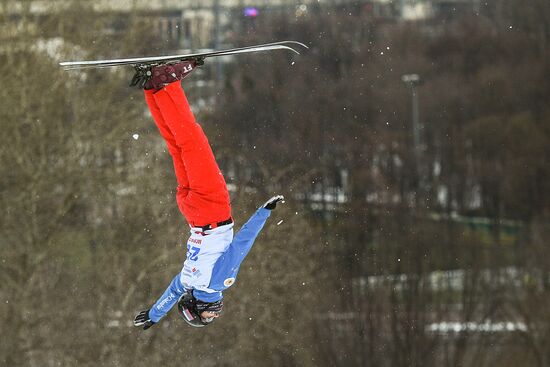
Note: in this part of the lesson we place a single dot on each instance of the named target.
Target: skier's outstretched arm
(169, 298)
(226, 268)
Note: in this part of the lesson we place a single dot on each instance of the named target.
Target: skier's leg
(175, 151)
(208, 199)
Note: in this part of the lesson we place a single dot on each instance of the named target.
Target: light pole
(217, 40)
(413, 81)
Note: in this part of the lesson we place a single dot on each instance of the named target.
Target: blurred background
(412, 142)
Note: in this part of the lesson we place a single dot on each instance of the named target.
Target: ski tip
(290, 49)
(300, 44)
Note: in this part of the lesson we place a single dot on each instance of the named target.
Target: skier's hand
(272, 203)
(143, 319)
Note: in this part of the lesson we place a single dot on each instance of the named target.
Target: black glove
(272, 203)
(143, 319)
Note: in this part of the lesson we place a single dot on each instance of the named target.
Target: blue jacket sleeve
(171, 295)
(226, 268)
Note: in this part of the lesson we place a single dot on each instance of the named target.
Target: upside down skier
(213, 254)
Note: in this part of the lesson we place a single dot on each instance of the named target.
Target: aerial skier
(214, 255)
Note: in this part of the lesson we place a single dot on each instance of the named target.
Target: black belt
(215, 225)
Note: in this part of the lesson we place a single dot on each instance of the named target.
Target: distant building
(425, 9)
(188, 24)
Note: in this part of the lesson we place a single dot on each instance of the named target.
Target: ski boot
(158, 76)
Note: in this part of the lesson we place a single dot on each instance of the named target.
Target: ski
(154, 60)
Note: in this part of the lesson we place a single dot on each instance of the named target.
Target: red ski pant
(202, 192)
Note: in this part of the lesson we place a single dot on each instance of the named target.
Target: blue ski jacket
(223, 273)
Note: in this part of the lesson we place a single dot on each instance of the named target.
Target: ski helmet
(191, 308)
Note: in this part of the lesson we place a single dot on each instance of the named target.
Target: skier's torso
(203, 250)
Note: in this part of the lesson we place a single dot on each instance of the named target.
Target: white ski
(282, 45)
